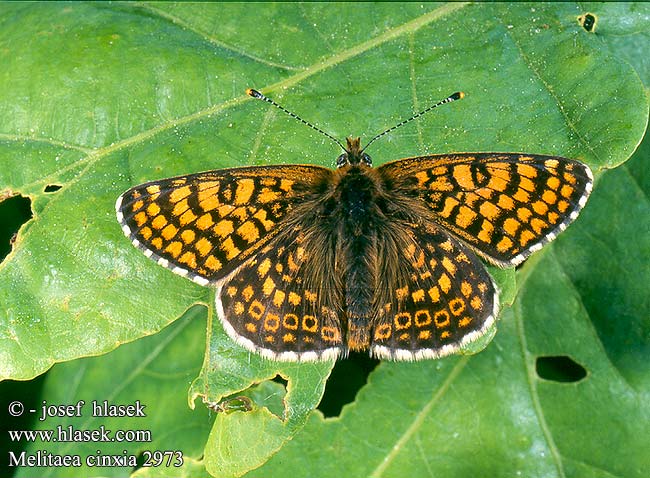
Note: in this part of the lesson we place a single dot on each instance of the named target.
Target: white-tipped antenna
(459, 95)
(256, 94)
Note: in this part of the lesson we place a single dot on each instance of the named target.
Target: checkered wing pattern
(440, 298)
(203, 226)
(274, 305)
(504, 205)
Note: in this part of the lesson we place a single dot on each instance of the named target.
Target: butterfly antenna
(257, 95)
(456, 96)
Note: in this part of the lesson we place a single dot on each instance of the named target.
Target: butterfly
(310, 263)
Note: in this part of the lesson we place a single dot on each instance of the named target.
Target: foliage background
(97, 97)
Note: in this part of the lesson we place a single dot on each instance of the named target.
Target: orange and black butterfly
(310, 263)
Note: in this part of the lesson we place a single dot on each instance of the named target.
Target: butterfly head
(353, 155)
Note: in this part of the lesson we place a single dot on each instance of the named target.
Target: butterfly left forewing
(205, 225)
(504, 205)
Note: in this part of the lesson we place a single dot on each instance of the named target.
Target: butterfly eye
(365, 159)
(342, 160)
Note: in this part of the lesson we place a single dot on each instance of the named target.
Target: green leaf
(153, 372)
(98, 97)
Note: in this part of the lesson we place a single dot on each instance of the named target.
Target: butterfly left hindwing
(205, 225)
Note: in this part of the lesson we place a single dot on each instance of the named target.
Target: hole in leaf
(52, 188)
(588, 21)
(281, 381)
(560, 368)
(346, 379)
(14, 212)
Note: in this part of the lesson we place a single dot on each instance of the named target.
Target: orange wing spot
(505, 244)
(294, 299)
(188, 259)
(156, 242)
(208, 201)
(450, 205)
(527, 170)
(538, 225)
(213, 263)
(441, 319)
(501, 171)
(424, 335)
(553, 182)
(203, 246)
(402, 320)
(256, 310)
(153, 189)
(140, 218)
(188, 236)
(247, 293)
(261, 216)
(422, 178)
(285, 185)
(225, 209)
(159, 222)
(566, 191)
(466, 288)
(180, 194)
(425, 275)
(524, 214)
(271, 323)
(309, 323)
(288, 338)
(264, 267)
(457, 306)
(434, 293)
(310, 296)
(505, 202)
(465, 216)
(418, 296)
(230, 249)
(330, 334)
(231, 291)
(244, 191)
(238, 308)
(422, 318)
(146, 233)
(525, 237)
(444, 283)
(482, 286)
(404, 337)
(153, 209)
(268, 287)
(174, 248)
(526, 184)
(293, 267)
(447, 246)
(240, 213)
(223, 228)
(137, 205)
(549, 197)
(540, 207)
(511, 225)
(186, 218)
(410, 250)
(489, 210)
(279, 267)
(463, 175)
(562, 205)
(205, 185)
(248, 232)
(251, 327)
(269, 338)
(464, 322)
(402, 293)
(521, 196)
(445, 335)
(383, 332)
(551, 163)
(267, 195)
(553, 217)
(205, 221)
(485, 234)
(433, 263)
(449, 266)
(569, 178)
(169, 232)
(290, 321)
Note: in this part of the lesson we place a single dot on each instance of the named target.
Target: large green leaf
(98, 97)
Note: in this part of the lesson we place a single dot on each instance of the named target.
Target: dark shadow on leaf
(52, 188)
(345, 381)
(14, 212)
(560, 368)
